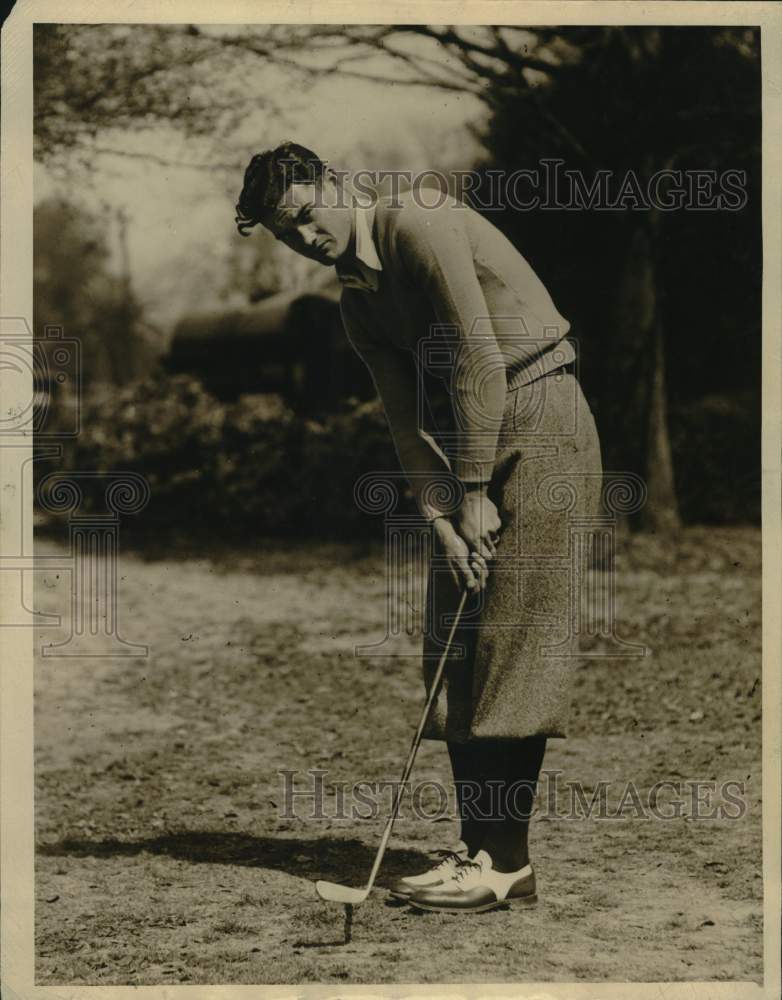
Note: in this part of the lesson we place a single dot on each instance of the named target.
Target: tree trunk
(661, 513)
(644, 413)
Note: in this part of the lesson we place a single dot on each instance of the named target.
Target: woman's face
(314, 220)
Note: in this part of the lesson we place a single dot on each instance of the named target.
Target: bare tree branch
(163, 161)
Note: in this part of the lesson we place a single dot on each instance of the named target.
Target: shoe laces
(448, 859)
(467, 868)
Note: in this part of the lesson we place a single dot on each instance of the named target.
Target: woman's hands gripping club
(469, 540)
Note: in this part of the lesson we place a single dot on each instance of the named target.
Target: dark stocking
(466, 776)
(496, 781)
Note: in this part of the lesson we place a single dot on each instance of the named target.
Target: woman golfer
(430, 283)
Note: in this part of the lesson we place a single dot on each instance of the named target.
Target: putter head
(334, 893)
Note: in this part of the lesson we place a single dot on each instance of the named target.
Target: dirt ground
(165, 854)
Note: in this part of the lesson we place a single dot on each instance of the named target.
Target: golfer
(430, 283)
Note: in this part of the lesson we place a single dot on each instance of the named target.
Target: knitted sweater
(452, 295)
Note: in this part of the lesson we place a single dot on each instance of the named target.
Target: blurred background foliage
(222, 373)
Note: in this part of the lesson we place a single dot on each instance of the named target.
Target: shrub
(716, 449)
(231, 469)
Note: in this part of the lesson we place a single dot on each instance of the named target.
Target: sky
(180, 220)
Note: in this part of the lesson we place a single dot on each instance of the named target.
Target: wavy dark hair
(269, 175)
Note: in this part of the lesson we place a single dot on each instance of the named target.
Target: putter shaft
(324, 887)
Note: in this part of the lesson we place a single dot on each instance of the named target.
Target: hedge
(254, 467)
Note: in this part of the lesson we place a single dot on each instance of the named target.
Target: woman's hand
(468, 569)
(478, 523)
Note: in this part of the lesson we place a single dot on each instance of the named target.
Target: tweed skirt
(509, 673)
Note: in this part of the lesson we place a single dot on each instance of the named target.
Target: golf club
(333, 892)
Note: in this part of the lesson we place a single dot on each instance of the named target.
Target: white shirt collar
(367, 263)
(365, 245)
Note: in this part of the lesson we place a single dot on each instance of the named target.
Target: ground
(165, 854)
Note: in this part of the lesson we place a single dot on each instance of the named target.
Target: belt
(559, 358)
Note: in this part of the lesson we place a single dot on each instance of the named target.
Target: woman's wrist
(443, 525)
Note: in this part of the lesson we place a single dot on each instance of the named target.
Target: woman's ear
(335, 179)
(332, 185)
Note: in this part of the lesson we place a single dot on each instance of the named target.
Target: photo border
(16, 645)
